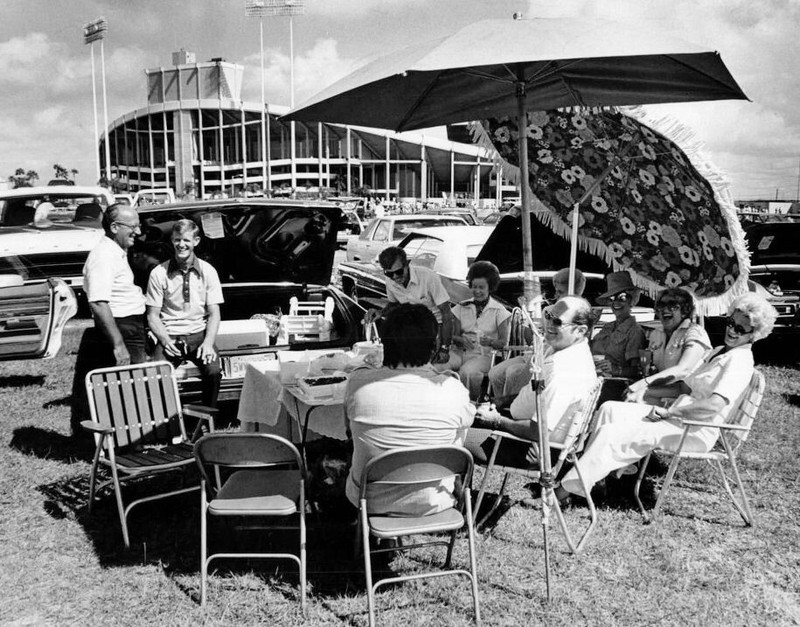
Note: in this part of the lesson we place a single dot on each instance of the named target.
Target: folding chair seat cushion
(150, 459)
(251, 492)
(393, 526)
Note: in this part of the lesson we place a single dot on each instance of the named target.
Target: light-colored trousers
(622, 437)
(471, 369)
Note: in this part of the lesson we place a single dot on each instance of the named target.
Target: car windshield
(401, 227)
(773, 244)
(59, 208)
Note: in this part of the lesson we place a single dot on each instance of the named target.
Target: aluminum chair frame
(515, 345)
(419, 466)
(569, 451)
(733, 434)
(138, 427)
(239, 495)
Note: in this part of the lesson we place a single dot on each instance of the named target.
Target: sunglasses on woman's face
(738, 329)
(623, 297)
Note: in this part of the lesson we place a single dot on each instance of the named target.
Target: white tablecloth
(267, 403)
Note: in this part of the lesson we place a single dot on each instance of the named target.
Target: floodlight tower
(95, 31)
(275, 8)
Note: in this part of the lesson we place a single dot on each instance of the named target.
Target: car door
(381, 238)
(32, 317)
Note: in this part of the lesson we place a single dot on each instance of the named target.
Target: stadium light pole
(93, 31)
(276, 8)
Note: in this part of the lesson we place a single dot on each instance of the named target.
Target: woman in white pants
(626, 432)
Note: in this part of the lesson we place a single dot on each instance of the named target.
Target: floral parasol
(647, 205)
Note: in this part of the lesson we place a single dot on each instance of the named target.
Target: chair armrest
(91, 425)
(510, 436)
(700, 423)
(200, 411)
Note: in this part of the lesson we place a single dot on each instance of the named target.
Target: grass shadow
(167, 533)
(64, 401)
(51, 445)
(21, 380)
(792, 399)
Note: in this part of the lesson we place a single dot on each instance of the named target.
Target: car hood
(28, 240)
(249, 239)
(550, 251)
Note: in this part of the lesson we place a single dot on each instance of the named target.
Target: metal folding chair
(421, 467)
(137, 422)
(569, 450)
(268, 480)
(733, 434)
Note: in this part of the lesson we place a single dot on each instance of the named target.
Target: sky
(46, 113)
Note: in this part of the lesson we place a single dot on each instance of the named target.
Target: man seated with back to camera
(403, 404)
(508, 377)
(183, 299)
(568, 373)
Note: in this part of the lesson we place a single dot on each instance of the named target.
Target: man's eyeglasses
(132, 227)
(738, 329)
(554, 320)
(622, 297)
(667, 306)
(393, 273)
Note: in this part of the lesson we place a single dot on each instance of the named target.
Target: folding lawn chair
(268, 481)
(569, 450)
(137, 422)
(422, 467)
(733, 434)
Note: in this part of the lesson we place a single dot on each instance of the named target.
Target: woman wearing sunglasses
(626, 432)
(677, 346)
(619, 342)
(481, 326)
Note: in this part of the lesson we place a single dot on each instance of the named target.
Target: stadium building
(196, 132)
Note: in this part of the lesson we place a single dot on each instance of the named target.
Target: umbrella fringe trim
(694, 150)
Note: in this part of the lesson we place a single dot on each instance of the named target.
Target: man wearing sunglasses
(416, 285)
(116, 303)
(569, 374)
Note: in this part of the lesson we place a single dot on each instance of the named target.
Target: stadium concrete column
(182, 121)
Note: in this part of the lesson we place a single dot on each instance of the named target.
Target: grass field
(698, 566)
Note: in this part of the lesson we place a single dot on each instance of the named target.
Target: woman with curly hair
(626, 432)
(481, 325)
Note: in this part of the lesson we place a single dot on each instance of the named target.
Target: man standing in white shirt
(116, 303)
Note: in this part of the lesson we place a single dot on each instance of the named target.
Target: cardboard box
(240, 334)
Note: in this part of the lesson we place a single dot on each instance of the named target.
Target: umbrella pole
(545, 474)
(573, 249)
(525, 191)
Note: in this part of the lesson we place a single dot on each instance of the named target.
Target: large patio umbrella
(648, 200)
(510, 67)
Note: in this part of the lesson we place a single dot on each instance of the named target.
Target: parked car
(123, 199)
(775, 274)
(465, 214)
(154, 196)
(266, 251)
(389, 230)
(349, 228)
(32, 317)
(47, 232)
(66, 204)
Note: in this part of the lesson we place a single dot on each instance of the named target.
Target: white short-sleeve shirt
(488, 324)
(424, 288)
(108, 277)
(169, 287)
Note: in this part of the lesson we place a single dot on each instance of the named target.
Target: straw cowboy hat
(617, 283)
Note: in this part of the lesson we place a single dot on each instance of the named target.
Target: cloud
(314, 69)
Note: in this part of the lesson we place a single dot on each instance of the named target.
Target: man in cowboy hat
(618, 342)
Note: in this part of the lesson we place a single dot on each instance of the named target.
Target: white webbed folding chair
(733, 434)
